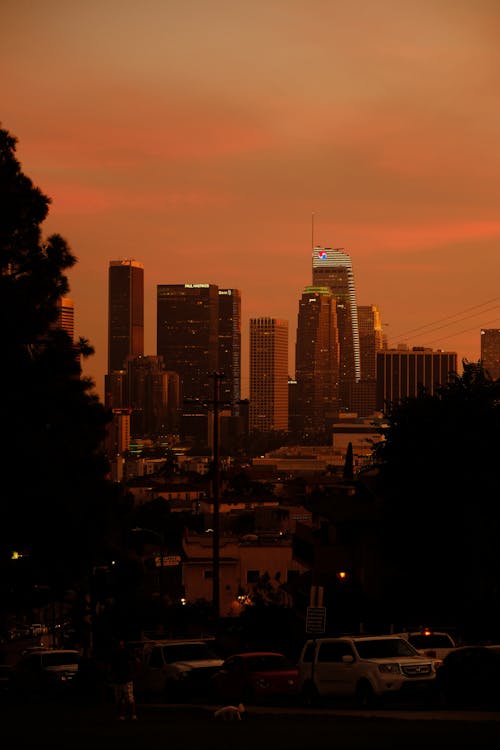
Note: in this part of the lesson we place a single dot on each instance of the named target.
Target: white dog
(230, 713)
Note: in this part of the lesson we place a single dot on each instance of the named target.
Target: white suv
(362, 667)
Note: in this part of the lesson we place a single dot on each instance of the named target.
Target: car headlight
(389, 668)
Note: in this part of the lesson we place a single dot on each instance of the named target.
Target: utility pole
(213, 405)
(217, 377)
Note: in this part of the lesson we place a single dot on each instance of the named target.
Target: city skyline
(215, 145)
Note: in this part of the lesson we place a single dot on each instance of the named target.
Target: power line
(460, 320)
(465, 330)
(433, 327)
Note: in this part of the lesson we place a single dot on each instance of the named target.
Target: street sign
(316, 620)
(167, 560)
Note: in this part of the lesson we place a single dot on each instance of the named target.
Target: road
(74, 726)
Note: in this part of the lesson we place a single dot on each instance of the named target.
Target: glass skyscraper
(126, 312)
(187, 335)
(268, 374)
(230, 348)
(317, 360)
(332, 268)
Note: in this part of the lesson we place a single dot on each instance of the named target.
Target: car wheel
(309, 695)
(365, 697)
(171, 692)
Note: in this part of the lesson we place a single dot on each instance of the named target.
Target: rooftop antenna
(312, 231)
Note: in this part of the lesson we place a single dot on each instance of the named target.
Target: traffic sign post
(316, 620)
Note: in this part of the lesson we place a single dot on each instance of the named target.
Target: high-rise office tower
(126, 313)
(401, 372)
(187, 335)
(332, 268)
(230, 348)
(187, 339)
(268, 374)
(490, 351)
(147, 381)
(370, 340)
(317, 358)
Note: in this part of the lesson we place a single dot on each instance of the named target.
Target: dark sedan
(45, 673)
(256, 677)
(469, 677)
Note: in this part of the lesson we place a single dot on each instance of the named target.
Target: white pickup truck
(174, 668)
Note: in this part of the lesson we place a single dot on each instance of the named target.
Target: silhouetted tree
(440, 479)
(55, 499)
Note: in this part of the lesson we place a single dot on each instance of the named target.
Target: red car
(256, 677)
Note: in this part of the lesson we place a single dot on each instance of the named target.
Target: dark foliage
(440, 480)
(56, 500)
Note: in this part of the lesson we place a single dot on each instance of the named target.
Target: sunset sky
(200, 136)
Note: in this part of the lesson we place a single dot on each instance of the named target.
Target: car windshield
(268, 663)
(188, 652)
(59, 660)
(380, 649)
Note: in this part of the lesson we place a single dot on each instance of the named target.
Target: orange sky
(199, 137)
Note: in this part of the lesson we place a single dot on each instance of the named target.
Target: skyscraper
(126, 313)
(317, 360)
(187, 335)
(230, 348)
(370, 340)
(490, 351)
(332, 268)
(147, 381)
(268, 374)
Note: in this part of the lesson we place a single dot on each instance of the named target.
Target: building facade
(187, 335)
(66, 316)
(490, 351)
(268, 374)
(370, 340)
(126, 313)
(229, 363)
(402, 372)
(317, 360)
(147, 386)
(332, 268)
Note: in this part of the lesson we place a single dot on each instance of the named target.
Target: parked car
(469, 676)
(5, 680)
(434, 643)
(45, 673)
(364, 668)
(176, 669)
(256, 677)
